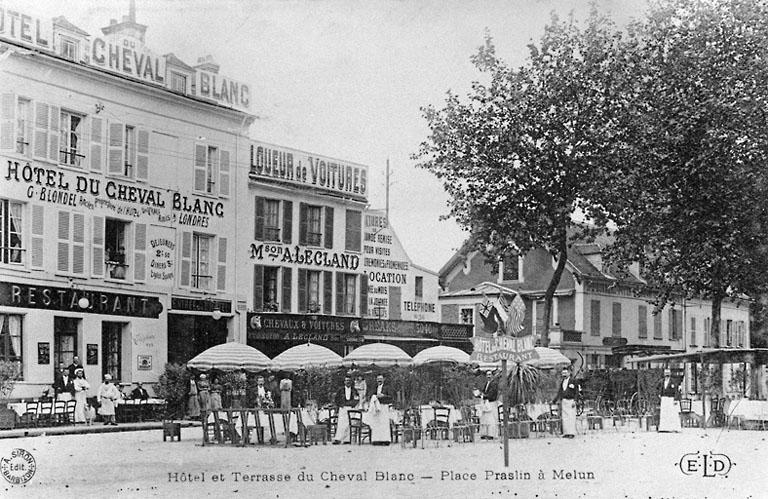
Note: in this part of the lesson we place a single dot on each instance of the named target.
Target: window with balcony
(12, 250)
(115, 232)
(346, 289)
(316, 225)
(71, 140)
(273, 220)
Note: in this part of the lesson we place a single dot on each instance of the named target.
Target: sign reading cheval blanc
(303, 169)
(501, 334)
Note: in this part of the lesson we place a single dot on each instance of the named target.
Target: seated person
(383, 391)
(139, 393)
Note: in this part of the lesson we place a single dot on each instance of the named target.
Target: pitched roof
(62, 22)
(170, 58)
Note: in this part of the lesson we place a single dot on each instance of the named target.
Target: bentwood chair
(357, 429)
(45, 412)
(686, 413)
(30, 414)
(70, 411)
(410, 429)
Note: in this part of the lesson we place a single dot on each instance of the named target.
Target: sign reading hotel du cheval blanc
(501, 336)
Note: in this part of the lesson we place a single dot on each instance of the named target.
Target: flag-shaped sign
(499, 337)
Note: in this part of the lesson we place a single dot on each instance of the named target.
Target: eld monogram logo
(707, 465)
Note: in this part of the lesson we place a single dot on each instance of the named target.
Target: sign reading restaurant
(298, 168)
(123, 55)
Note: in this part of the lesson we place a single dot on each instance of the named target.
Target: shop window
(65, 331)
(10, 340)
(23, 125)
(12, 250)
(71, 139)
(353, 232)
(315, 225)
(111, 349)
(419, 291)
(201, 261)
(114, 244)
(467, 315)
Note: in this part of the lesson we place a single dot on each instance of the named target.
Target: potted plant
(522, 387)
(9, 374)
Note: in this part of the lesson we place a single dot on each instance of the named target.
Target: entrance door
(111, 352)
(64, 340)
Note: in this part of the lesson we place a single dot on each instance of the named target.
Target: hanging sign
(502, 336)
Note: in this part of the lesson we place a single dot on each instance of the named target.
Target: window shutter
(328, 292)
(115, 161)
(140, 252)
(78, 243)
(38, 235)
(63, 240)
(258, 230)
(642, 321)
(97, 246)
(221, 271)
(287, 221)
(594, 318)
(186, 258)
(657, 334)
(671, 317)
(363, 294)
(42, 119)
(8, 121)
(53, 146)
(224, 173)
(616, 321)
(96, 155)
(328, 227)
(287, 276)
(142, 155)
(258, 288)
(302, 223)
(339, 293)
(302, 291)
(678, 324)
(200, 167)
(352, 232)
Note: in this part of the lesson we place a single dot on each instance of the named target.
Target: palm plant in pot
(521, 389)
(9, 374)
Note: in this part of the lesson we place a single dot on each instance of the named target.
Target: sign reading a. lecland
(500, 336)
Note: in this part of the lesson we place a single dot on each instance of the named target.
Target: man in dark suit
(490, 389)
(488, 408)
(139, 393)
(383, 391)
(347, 396)
(63, 384)
(568, 392)
(669, 414)
(74, 366)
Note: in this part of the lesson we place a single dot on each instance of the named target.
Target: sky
(346, 78)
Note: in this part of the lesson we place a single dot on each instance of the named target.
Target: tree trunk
(717, 301)
(562, 259)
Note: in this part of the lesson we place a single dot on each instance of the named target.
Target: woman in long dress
(108, 394)
(193, 404)
(204, 395)
(81, 393)
(215, 396)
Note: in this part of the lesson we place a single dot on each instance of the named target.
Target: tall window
(314, 225)
(657, 326)
(68, 48)
(642, 321)
(313, 291)
(64, 340)
(111, 351)
(130, 150)
(10, 339)
(693, 331)
(201, 261)
(114, 245)
(349, 293)
(419, 291)
(211, 166)
(270, 289)
(352, 241)
(11, 250)
(729, 333)
(70, 143)
(178, 82)
(707, 331)
(23, 123)
(616, 321)
(271, 220)
(511, 268)
(594, 321)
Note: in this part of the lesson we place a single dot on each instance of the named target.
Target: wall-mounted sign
(416, 329)
(297, 327)
(281, 164)
(279, 253)
(196, 305)
(223, 90)
(612, 341)
(129, 57)
(44, 353)
(162, 255)
(144, 362)
(68, 299)
(92, 354)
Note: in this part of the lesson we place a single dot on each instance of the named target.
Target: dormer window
(178, 82)
(68, 48)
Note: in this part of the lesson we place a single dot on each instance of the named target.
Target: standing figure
(362, 389)
(346, 398)
(108, 394)
(74, 366)
(669, 417)
(567, 393)
(286, 388)
(215, 395)
(203, 389)
(263, 394)
(81, 394)
(63, 387)
(488, 409)
(193, 404)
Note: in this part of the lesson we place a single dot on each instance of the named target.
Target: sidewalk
(82, 429)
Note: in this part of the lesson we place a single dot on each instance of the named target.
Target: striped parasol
(379, 354)
(230, 356)
(548, 358)
(441, 353)
(305, 356)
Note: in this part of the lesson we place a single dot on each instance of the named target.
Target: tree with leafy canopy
(526, 150)
(689, 200)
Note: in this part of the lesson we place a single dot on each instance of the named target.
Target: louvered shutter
(258, 288)
(142, 155)
(616, 320)
(78, 243)
(679, 324)
(671, 317)
(221, 271)
(8, 121)
(116, 161)
(62, 260)
(140, 252)
(352, 231)
(287, 222)
(224, 173)
(97, 247)
(302, 223)
(258, 229)
(38, 236)
(42, 123)
(287, 287)
(328, 227)
(53, 136)
(186, 258)
(327, 292)
(363, 294)
(199, 167)
(302, 291)
(339, 293)
(96, 153)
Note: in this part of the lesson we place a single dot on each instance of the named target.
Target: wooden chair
(687, 417)
(30, 414)
(70, 411)
(357, 429)
(45, 412)
(333, 421)
(411, 430)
